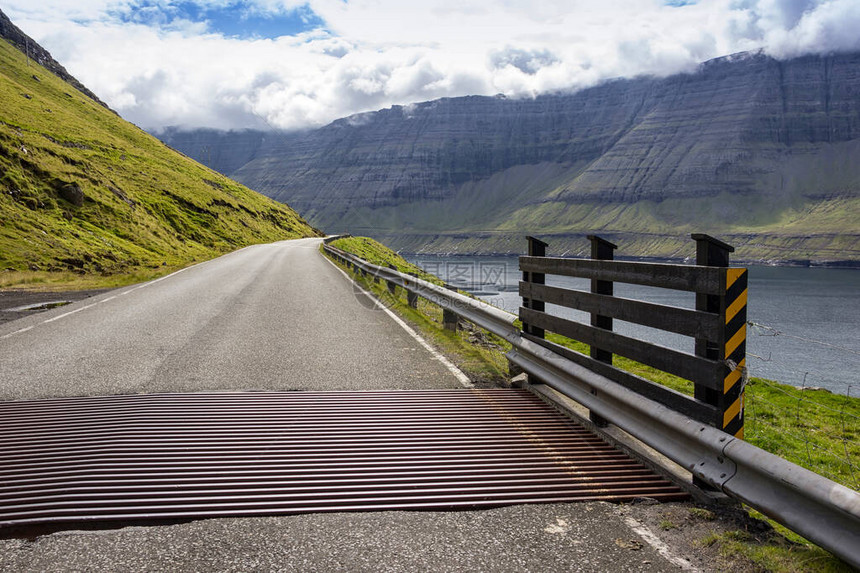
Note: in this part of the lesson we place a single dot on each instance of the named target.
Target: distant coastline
(760, 250)
(796, 263)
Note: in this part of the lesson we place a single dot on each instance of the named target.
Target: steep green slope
(83, 190)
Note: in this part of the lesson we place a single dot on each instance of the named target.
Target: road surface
(268, 317)
(281, 317)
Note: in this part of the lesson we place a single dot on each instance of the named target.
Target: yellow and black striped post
(734, 351)
(727, 393)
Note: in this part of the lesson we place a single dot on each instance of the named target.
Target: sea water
(805, 327)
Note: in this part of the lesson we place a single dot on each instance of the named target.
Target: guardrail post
(537, 248)
(411, 297)
(731, 348)
(603, 250)
(449, 317)
(392, 288)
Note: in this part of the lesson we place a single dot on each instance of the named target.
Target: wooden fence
(717, 324)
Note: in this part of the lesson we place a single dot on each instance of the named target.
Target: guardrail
(477, 312)
(815, 507)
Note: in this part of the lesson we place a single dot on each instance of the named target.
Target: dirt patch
(696, 532)
(12, 301)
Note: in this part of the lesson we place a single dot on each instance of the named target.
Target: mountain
(83, 190)
(761, 152)
(40, 55)
(224, 151)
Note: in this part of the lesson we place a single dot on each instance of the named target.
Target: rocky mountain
(224, 151)
(82, 190)
(761, 152)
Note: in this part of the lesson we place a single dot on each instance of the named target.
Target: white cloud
(376, 53)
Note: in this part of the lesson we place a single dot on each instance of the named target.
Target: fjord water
(806, 328)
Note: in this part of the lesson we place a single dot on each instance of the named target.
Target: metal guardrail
(477, 312)
(815, 507)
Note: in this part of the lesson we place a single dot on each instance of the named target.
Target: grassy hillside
(83, 191)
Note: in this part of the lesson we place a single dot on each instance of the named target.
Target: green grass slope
(83, 191)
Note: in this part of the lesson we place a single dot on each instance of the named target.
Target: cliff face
(426, 151)
(745, 147)
(722, 129)
(224, 151)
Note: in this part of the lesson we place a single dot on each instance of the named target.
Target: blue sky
(234, 19)
(295, 64)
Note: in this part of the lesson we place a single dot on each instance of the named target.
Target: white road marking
(458, 374)
(16, 332)
(152, 282)
(167, 276)
(144, 285)
(68, 313)
(642, 530)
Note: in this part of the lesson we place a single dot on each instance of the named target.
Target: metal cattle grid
(185, 456)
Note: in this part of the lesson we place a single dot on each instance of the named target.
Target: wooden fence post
(411, 297)
(537, 248)
(731, 348)
(602, 250)
(392, 288)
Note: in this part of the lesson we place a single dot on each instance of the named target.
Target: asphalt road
(267, 317)
(281, 317)
(579, 537)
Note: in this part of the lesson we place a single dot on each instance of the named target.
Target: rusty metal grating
(176, 456)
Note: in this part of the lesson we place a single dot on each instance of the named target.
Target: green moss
(84, 192)
(816, 430)
(774, 553)
(702, 513)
